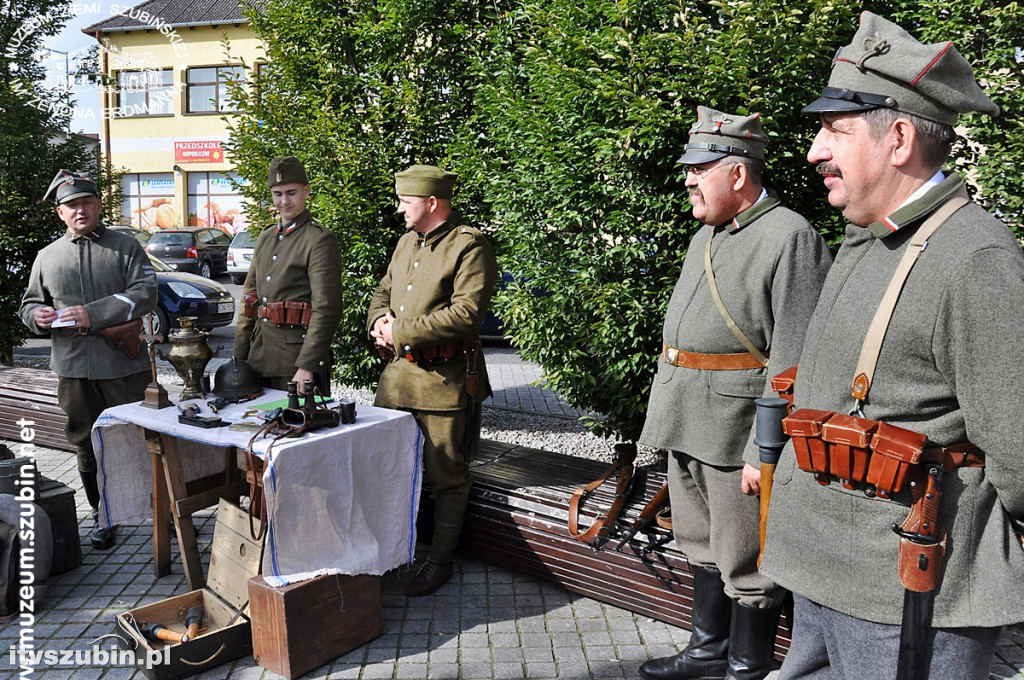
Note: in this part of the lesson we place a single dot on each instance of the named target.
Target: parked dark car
(181, 294)
(240, 255)
(199, 250)
(140, 236)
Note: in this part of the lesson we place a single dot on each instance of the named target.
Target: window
(148, 201)
(145, 93)
(213, 201)
(207, 88)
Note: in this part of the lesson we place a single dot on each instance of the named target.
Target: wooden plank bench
(31, 394)
(518, 518)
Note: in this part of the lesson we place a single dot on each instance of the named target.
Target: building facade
(164, 108)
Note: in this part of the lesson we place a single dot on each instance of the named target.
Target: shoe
(429, 577)
(103, 538)
(706, 657)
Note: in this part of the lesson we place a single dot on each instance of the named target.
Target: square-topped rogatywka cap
(717, 134)
(67, 186)
(286, 170)
(886, 67)
(425, 180)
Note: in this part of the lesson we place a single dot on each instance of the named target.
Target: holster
(804, 427)
(124, 336)
(896, 450)
(251, 304)
(849, 443)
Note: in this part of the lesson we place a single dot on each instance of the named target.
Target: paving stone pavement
(486, 623)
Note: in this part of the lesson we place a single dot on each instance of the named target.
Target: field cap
(286, 170)
(886, 67)
(425, 180)
(67, 186)
(717, 135)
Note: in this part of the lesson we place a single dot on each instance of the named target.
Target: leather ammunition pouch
(443, 352)
(783, 385)
(124, 336)
(296, 313)
(854, 450)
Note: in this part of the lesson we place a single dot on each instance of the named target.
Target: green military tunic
(299, 261)
(438, 287)
(950, 367)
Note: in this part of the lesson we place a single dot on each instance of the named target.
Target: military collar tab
(767, 202)
(93, 235)
(917, 210)
(438, 232)
(295, 224)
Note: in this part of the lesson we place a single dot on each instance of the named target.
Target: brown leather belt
(446, 351)
(708, 362)
(953, 457)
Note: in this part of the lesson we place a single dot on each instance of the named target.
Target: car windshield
(171, 238)
(243, 239)
(159, 265)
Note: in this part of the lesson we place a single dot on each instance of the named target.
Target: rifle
(647, 516)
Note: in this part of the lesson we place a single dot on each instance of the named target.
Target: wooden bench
(31, 394)
(518, 519)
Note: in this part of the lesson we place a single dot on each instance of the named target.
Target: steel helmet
(236, 379)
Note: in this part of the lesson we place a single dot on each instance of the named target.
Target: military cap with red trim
(67, 186)
(717, 135)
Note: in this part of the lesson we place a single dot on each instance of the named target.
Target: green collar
(916, 211)
(753, 212)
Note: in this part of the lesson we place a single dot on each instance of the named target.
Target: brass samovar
(189, 355)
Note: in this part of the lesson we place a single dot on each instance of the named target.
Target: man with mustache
(722, 343)
(946, 376)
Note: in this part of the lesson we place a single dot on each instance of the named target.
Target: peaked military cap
(717, 135)
(886, 67)
(67, 186)
(425, 180)
(286, 170)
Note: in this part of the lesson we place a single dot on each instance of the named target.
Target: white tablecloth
(341, 500)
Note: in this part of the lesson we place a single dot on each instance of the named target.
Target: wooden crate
(301, 626)
(226, 633)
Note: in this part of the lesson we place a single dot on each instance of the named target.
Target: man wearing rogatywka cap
(424, 319)
(87, 280)
(767, 265)
(296, 266)
(944, 389)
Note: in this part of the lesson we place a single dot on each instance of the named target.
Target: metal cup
(348, 410)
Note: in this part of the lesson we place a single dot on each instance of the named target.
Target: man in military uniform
(87, 280)
(425, 315)
(292, 293)
(767, 265)
(949, 369)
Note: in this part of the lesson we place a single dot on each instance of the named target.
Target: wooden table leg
(161, 506)
(174, 476)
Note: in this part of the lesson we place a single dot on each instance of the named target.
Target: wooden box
(226, 631)
(301, 626)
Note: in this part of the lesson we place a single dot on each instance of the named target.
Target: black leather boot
(102, 538)
(706, 656)
(752, 643)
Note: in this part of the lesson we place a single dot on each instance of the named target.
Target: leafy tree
(33, 121)
(564, 120)
(358, 89)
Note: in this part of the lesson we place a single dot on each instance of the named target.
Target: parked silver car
(239, 256)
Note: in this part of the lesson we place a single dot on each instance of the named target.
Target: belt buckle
(671, 353)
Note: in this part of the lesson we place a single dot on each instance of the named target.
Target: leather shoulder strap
(740, 335)
(872, 346)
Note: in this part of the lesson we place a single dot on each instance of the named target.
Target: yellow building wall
(145, 146)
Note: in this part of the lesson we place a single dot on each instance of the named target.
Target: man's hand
(301, 376)
(381, 332)
(750, 483)
(44, 316)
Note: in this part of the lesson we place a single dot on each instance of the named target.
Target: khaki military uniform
(438, 287)
(300, 261)
(950, 368)
(111, 276)
(769, 265)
